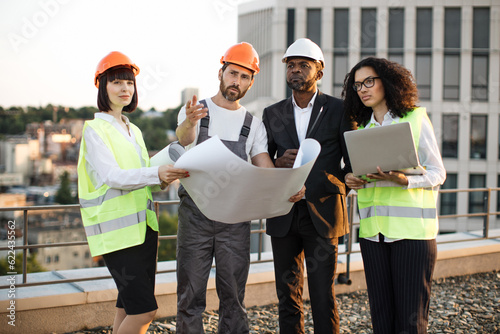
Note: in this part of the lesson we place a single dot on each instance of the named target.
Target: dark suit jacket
(325, 188)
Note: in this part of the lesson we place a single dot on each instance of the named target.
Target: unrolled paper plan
(229, 189)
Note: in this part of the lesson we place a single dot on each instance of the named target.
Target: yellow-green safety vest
(397, 212)
(114, 219)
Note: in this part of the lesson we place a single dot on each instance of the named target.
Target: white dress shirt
(102, 167)
(302, 117)
(428, 155)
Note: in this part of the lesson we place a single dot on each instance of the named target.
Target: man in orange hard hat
(199, 239)
(310, 231)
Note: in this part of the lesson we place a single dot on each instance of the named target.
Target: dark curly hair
(401, 94)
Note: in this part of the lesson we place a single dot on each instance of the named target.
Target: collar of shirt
(388, 119)
(309, 107)
(302, 117)
(112, 120)
(109, 118)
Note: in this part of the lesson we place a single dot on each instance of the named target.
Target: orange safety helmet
(113, 59)
(242, 54)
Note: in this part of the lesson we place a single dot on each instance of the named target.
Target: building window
(56, 258)
(479, 77)
(290, 37)
(368, 32)
(452, 28)
(396, 34)
(339, 67)
(480, 51)
(75, 254)
(450, 136)
(423, 59)
(481, 28)
(451, 77)
(423, 75)
(290, 26)
(340, 48)
(424, 28)
(314, 25)
(449, 200)
(48, 259)
(477, 199)
(451, 60)
(478, 135)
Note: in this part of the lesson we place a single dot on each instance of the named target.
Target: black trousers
(399, 277)
(320, 254)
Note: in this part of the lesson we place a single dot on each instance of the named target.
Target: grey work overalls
(199, 239)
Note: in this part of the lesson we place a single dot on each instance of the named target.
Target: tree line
(13, 121)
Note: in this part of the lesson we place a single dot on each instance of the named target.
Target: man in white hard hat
(312, 228)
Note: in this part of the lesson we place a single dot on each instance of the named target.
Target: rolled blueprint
(169, 155)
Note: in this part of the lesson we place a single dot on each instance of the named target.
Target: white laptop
(391, 147)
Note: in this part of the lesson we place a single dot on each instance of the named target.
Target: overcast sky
(49, 49)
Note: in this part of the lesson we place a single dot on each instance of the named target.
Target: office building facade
(451, 46)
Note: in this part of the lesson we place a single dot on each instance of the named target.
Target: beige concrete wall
(60, 314)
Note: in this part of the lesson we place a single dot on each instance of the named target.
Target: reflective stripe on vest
(118, 223)
(114, 219)
(109, 194)
(395, 211)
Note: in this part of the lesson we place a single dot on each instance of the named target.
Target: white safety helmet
(304, 47)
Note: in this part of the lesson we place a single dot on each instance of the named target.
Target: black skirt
(133, 270)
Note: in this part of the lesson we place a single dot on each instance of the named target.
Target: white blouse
(102, 167)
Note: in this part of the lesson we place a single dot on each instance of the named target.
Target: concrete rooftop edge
(104, 290)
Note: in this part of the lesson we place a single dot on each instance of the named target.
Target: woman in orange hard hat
(115, 181)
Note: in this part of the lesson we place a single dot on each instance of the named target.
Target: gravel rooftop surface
(462, 304)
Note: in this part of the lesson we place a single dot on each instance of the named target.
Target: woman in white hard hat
(114, 188)
(398, 215)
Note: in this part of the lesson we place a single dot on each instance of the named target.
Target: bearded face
(299, 83)
(302, 74)
(235, 81)
(231, 93)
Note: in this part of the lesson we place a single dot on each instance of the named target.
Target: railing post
(351, 237)
(486, 226)
(25, 249)
(259, 254)
(157, 211)
(350, 218)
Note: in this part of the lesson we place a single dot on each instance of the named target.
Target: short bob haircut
(401, 94)
(120, 73)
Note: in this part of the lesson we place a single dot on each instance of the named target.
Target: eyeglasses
(368, 82)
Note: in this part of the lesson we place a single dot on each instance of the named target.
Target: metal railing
(343, 278)
(486, 214)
